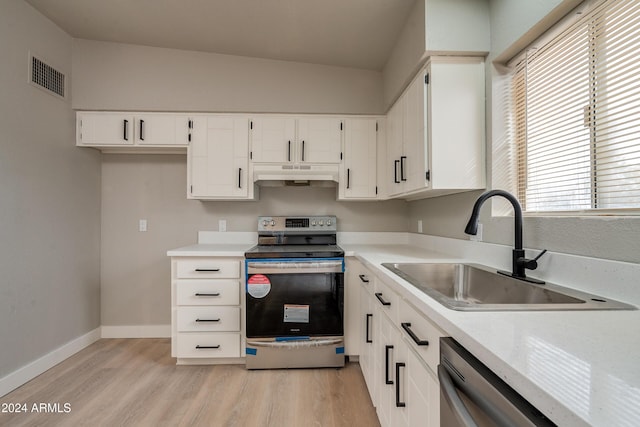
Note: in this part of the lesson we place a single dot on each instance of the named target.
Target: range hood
(295, 174)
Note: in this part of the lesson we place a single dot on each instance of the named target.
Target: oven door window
(291, 304)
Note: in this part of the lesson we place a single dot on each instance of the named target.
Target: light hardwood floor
(135, 382)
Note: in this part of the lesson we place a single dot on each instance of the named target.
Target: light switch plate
(142, 225)
(222, 225)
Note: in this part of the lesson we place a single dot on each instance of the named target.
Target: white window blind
(576, 105)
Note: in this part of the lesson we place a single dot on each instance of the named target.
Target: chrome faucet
(519, 263)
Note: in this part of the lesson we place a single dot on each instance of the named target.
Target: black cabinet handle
(289, 152)
(399, 404)
(363, 278)
(198, 294)
(126, 130)
(204, 270)
(239, 177)
(382, 301)
(386, 364)
(414, 337)
(207, 346)
(348, 177)
(141, 126)
(402, 159)
(395, 171)
(208, 320)
(303, 150)
(366, 338)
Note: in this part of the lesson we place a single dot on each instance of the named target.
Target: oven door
(295, 297)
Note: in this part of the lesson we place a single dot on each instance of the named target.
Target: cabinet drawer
(207, 268)
(412, 322)
(208, 292)
(208, 344)
(386, 299)
(210, 318)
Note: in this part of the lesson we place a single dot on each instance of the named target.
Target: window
(576, 114)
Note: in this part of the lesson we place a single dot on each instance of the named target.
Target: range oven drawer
(210, 318)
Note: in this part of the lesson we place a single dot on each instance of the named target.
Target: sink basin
(474, 287)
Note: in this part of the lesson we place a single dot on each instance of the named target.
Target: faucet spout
(472, 225)
(518, 263)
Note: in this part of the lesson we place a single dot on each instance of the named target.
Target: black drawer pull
(386, 364)
(126, 130)
(141, 128)
(382, 301)
(205, 270)
(414, 337)
(198, 294)
(208, 320)
(207, 346)
(366, 338)
(399, 404)
(363, 278)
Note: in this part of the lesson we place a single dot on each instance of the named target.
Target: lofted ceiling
(347, 33)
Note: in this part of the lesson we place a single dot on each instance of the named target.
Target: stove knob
(273, 223)
(265, 222)
(328, 222)
(321, 222)
(313, 223)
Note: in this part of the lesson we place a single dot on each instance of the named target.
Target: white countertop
(578, 367)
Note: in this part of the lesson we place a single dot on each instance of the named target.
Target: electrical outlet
(419, 226)
(222, 225)
(478, 236)
(142, 225)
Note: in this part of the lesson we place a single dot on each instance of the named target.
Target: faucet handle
(532, 264)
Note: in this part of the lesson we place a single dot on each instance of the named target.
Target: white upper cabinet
(100, 129)
(162, 129)
(436, 131)
(218, 159)
(110, 130)
(358, 171)
(320, 139)
(288, 139)
(273, 139)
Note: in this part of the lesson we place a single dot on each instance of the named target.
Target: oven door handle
(293, 267)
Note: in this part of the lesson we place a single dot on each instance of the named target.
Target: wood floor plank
(135, 382)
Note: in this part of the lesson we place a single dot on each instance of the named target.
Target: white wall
(49, 201)
(113, 76)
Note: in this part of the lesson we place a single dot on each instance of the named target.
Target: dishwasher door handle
(456, 404)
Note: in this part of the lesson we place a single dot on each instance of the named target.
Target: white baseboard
(49, 360)
(136, 331)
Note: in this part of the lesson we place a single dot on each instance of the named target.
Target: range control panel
(297, 223)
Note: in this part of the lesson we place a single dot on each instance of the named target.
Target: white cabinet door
(395, 148)
(273, 139)
(320, 140)
(161, 129)
(219, 163)
(358, 177)
(413, 162)
(367, 353)
(97, 128)
(423, 394)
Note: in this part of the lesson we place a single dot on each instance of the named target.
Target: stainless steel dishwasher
(472, 395)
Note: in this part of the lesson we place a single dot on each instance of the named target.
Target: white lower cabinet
(206, 310)
(399, 355)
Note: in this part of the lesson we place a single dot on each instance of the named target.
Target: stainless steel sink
(474, 287)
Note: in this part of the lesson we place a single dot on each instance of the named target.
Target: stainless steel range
(295, 294)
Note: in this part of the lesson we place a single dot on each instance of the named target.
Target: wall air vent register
(44, 76)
